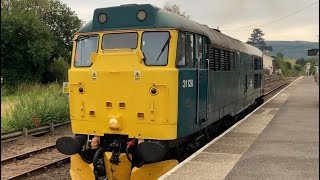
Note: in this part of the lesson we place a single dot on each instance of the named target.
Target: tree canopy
(175, 9)
(287, 68)
(257, 40)
(34, 35)
(26, 44)
(60, 19)
(301, 61)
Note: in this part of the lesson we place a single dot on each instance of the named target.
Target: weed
(36, 105)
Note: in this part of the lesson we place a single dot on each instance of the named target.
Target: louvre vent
(223, 60)
(257, 81)
(227, 61)
(211, 58)
(216, 59)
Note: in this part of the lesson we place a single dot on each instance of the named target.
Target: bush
(286, 67)
(57, 71)
(5, 91)
(41, 106)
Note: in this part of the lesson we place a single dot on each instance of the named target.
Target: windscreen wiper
(164, 47)
(80, 38)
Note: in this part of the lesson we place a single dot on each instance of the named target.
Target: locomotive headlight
(142, 15)
(102, 18)
(113, 123)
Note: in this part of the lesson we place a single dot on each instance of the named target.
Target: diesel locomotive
(144, 82)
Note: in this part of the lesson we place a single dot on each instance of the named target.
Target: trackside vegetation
(36, 43)
(33, 105)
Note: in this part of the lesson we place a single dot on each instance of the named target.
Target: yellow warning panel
(120, 171)
(152, 171)
(80, 170)
(65, 87)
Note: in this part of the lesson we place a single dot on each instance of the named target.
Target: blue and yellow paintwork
(175, 111)
(115, 83)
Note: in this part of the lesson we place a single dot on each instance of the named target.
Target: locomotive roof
(125, 17)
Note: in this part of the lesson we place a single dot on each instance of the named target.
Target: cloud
(236, 18)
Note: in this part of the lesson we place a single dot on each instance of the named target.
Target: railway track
(273, 87)
(38, 161)
(32, 163)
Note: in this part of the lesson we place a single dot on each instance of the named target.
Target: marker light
(113, 123)
(153, 91)
(142, 15)
(102, 18)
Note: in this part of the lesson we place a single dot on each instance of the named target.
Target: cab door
(202, 79)
(187, 89)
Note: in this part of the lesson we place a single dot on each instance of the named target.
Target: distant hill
(292, 49)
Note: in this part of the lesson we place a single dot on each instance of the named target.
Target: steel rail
(14, 158)
(274, 89)
(39, 169)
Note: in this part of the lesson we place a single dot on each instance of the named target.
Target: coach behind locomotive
(144, 81)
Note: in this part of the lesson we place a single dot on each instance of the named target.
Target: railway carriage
(144, 81)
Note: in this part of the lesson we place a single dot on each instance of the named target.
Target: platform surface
(280, 140)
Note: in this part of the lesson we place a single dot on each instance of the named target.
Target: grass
(6, 107)
(33, 105)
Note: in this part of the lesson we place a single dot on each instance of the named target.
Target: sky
(280, 20)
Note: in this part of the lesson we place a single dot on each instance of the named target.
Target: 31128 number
(187, 83)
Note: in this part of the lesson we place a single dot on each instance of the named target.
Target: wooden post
(51, 125)
(25, 131)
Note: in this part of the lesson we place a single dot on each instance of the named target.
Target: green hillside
(292, 49)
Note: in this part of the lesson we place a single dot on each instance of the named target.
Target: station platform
(279, 140)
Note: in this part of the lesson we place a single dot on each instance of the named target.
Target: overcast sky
(236, 18)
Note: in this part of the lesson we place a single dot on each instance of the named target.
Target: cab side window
(190, 50)
(198, 49)
(181, 50)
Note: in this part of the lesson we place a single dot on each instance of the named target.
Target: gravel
(23, 145)
(60, 173)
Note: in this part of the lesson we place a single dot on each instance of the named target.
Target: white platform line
(221, 135)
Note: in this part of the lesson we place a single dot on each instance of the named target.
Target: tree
(289, 65)
(257, 40)
(286, 67)
(301, 61)
(298, 67)
(175, 9)
(60, 19)
(26, 45)
(61, 23)
(57, 71)
(280, 55)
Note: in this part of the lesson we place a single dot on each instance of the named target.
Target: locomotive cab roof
(125, 17)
